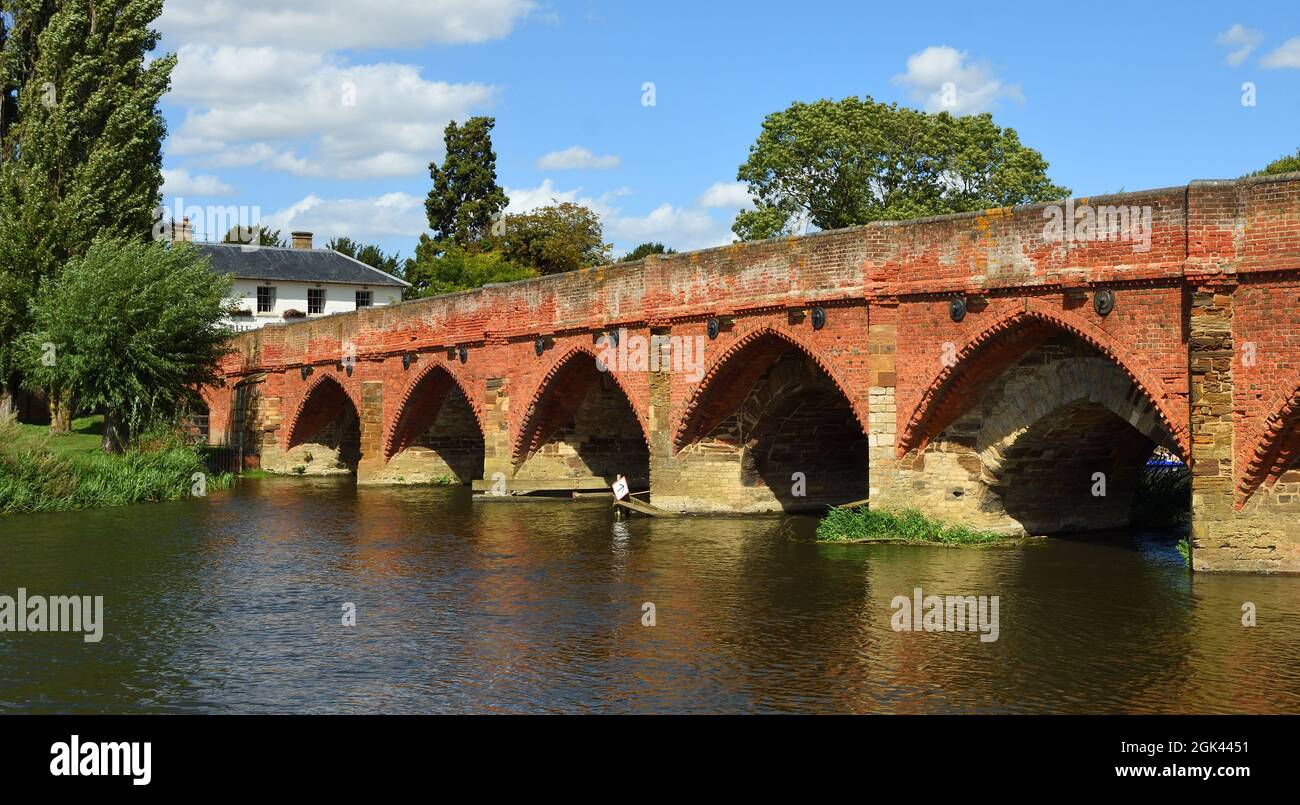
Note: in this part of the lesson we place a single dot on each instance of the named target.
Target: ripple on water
(234, 604)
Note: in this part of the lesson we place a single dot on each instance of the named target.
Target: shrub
(907, 525)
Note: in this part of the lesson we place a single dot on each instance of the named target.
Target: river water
(235, 603)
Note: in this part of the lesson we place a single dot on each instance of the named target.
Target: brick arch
(999, 345)
(215, 396)
(393, 431)
(528, 433)
(312, 389)
(707, 406)
(1273, 445)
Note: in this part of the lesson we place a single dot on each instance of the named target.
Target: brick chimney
(302, 240)
(182, 232)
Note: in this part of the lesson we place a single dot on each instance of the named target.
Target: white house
(275, 284)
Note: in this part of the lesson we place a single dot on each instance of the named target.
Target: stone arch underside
(581, 425)
(325, 434)
(436, 436)
(771, 431)
(1052, 440)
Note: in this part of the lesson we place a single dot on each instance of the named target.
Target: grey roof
(293, 265)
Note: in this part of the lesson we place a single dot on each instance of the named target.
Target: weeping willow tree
(134, 329)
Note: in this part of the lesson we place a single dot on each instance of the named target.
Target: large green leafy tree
(440, 268)
(82, 154)
(465, 199)
(367, 253)
(554, 239)
(132, 328)
(844, 163)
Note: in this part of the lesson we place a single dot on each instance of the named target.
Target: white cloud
(943, 79)
(682, 228)
(331, 25)
(726, 196)
(179, 182)
(312, 114)
(391, 215)
(576, 158)
(523, 199)
(402, 215)
(1244, 41)
(1288, 55)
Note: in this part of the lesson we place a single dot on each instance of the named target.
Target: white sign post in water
(620, 488)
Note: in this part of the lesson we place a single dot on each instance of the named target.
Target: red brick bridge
(1013, 368)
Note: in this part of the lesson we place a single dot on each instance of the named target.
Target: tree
(368, 253)
(1287, 164)
(465, 199)
(14, 298)
(8, 89)
(554, 239)
(135, 328)
(644, 250)
(82, 149)
(438, 268)
(262, 236)
(845, 163)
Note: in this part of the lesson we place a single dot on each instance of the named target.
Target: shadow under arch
(421, 402)
(438, 423)
(734, 372)
(1075, 469)
(775, 406)
(328, 415)
(1054, 438)
(581, 422)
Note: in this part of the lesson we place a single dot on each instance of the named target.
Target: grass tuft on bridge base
(906, 526)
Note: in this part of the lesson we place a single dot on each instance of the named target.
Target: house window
(363, 299)
(265, 299)
(315, 300)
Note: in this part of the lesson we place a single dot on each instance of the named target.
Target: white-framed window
(315, 300)
(364, 299)
(265, 299)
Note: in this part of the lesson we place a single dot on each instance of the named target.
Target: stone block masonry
(980, 367)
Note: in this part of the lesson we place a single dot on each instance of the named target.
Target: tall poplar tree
(83, 159)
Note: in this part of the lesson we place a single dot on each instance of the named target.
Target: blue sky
(324, 115)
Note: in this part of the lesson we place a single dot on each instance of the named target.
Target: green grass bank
(43, 473)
